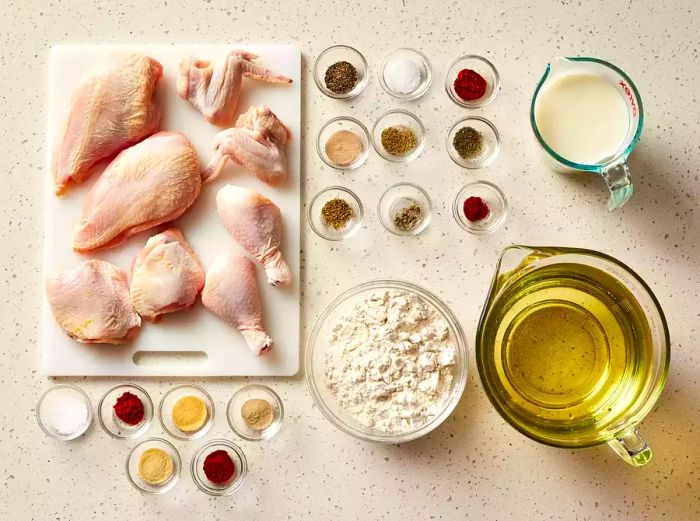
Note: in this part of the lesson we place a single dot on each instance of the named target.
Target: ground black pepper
(341, 77)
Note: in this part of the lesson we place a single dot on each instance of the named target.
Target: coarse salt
(402, 75)
(64, 411)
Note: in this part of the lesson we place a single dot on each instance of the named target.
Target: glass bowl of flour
(386, 361)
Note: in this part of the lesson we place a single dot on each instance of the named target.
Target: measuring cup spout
(632, 448)
(619, 182)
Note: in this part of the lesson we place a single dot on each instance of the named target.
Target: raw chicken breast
(91, 303)
(231, 293)
(257, 143)
(215, 91)
(255, 223)
(113, 107)
(148, 184)
(166, 276)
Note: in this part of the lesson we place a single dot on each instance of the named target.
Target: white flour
(389, 361)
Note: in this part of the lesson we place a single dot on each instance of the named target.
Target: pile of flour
(389, 361)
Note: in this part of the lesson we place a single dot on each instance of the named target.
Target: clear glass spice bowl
(398, 197)
(421, 62)
(238, 424)
(336, 125)
(219, 489)
(484, 68)
(313, 214)
(315, 354)
(45, 411)
(399, 118)
(491, 142)
(495, 200)
(335, 54)
(115, 427)
(166, 409)
(132, 466)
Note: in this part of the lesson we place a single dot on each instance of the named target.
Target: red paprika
(470, 85)
(219, 467)
(129, 408)
(475, 209)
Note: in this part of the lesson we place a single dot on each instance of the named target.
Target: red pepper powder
(475, 209)
(470, 85)
(129, 408)
(219, 467)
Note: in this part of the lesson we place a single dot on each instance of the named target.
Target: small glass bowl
(235, 420)
(132, 466)
(423, 64)
(313, 214)
(166, 408)
(200, 478)
(482, 66)
(335, 125)
(399, 196)
(335, 54)
(41, 411)
(115, 427)
(494, 198)
(399, 118)
(492, 142)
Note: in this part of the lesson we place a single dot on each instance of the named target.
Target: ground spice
(219, 467)
(408, 217)
(470, 85)
(343, 147)
(155, 466)
(129, 408)
(475, 209)
(468, 142)
(190, 413)
(257, 414)
(398, 140)
(336, 213)
(341, 77)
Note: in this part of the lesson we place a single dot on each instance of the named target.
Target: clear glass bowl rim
(360, 217)
(237, 481)
(142, 428)
(41, 423)
(481, 164)
(362, 83)
(259, 387)
(197, 434)
(418, 229)
(357, 163)
(480, 102)
(422, 88)
(406, 157)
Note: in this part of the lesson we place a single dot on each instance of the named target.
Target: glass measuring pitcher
(587, 116)
(572, 348)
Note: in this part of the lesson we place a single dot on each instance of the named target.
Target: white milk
(582, 117)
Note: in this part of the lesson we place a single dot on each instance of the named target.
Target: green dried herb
(408, 217)
(398, 140)
(341, 77)
(468, 142)
(336, 213)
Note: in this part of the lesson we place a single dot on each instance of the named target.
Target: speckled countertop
(474, 466)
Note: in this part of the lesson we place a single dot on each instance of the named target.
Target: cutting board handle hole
(170, 358)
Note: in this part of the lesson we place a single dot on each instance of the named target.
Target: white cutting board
(195, 342)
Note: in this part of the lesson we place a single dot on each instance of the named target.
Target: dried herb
(336, 213)
(408, 217)
(468, 142)
(341, 77)
(398, 140)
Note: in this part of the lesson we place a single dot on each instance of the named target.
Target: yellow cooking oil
(566, 350)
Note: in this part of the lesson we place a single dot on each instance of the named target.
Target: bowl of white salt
(386, 361)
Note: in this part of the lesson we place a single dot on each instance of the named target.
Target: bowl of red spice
(219, 468)
(125, 411)
(480, 207)
(472, 81)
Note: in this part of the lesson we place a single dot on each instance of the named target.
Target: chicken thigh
(166, 276)
(231, 293)
(257, 143)
(148, 184)
(91, 303)
(255, 223)
(215, 91)
(113, 107)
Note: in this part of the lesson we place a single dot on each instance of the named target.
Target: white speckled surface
(473, 466)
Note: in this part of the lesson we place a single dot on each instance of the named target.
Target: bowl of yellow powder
(187, 412)
(255, 412)
(153, 466)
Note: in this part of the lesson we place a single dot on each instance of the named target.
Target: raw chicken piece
(113, 107)
(166, 276)
(91, 303)
(257, 143)
(231, 293)
(215, 91)
(148, 184)
(255, 223)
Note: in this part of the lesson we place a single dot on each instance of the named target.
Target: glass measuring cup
(595, 394)
(613, 169)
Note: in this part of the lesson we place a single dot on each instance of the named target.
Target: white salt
(64, 411)
(402, 75)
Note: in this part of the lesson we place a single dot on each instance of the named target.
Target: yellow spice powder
(155, 466)
(190, 413)
(257, 414)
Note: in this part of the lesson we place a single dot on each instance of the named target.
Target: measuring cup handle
(632, 448)
(619, 182)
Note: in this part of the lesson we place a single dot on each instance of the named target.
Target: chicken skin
(91, 303)
(231, 293)
(148, 184)
(215, 90)
(113, 108)
(166, 276)
(257, 143)
(255, 223)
